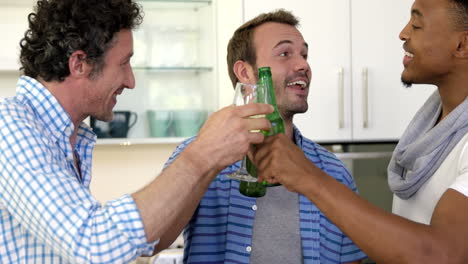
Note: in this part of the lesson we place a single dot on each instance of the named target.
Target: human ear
(244, 72)
(462, 49)
(78, 65)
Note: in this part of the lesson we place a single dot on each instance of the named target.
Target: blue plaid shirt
(47, 213)
(220, 231)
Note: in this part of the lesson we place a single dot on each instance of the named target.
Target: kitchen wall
(8, 83)
(118, 170)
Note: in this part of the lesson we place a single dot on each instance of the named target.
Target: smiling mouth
(115, 94)
(409, 54)
(301, 84)
(407, 58)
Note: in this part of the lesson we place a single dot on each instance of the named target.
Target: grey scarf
(423, 147)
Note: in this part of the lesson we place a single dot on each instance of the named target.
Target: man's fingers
(251, 152)
(254, 109)
(256, 137)
(261, 178)
(262, 149)
(272, 180)
(256, 124)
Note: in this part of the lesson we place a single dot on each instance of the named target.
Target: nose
(130, 79)
(404, 34)
(301, 64)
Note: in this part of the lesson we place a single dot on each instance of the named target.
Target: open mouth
(297, 85)
(408, 58)
(115, 94)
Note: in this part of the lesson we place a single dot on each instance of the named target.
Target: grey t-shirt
(276, 235)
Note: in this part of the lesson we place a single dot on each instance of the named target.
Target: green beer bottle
(277, 124)
(258, 189)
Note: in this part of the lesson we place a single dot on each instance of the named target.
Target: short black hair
(460, 11)
(57, 28)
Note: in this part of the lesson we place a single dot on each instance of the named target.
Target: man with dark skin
(429, 169)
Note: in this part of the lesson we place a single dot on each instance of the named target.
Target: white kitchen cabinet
(356, 60)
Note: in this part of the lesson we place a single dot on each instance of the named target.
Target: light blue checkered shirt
(47, 213)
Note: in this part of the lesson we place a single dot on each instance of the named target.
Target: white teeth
(411, 55)
(300, 83)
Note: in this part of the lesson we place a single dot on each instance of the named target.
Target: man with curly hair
(75, 58)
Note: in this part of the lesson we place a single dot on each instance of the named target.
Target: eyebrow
(289, 42)
(416, 12)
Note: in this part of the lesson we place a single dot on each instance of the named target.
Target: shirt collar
(48, 110)
(297, 136)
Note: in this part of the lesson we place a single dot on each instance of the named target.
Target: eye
(305, 56)
(284, 54)
(125, 63)
(415, 27)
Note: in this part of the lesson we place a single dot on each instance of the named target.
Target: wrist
(313, 183)
(197, 158)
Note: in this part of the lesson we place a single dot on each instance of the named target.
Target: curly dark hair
(57, 28)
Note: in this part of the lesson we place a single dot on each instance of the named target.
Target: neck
(453, 92)
(288, 127)
(67, 98)
(66, 94)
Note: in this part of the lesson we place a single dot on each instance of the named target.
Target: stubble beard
(288, 109)
(406, 83)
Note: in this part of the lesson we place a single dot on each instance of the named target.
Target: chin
(406, 83)
(110, 116)
(298, 109)
(106, 117)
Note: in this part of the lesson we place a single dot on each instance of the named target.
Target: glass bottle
(258, 189)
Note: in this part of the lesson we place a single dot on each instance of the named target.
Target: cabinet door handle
(365, 98)
(341, 98)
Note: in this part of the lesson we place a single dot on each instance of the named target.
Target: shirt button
(254, 207)
(248, 249)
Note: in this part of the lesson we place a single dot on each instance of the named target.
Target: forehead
(426, 7)
(122, 45)
(268, 35)
(435, 14)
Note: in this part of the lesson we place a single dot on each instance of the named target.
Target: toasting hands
(226, 136)
(279, 160)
